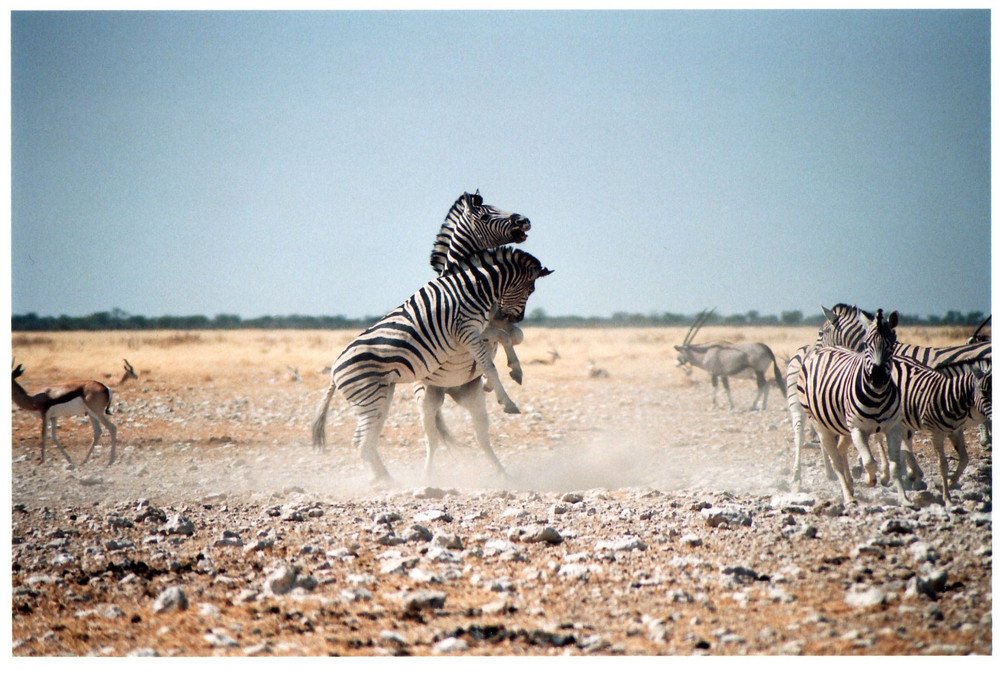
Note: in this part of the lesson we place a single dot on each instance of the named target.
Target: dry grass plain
(217, 427)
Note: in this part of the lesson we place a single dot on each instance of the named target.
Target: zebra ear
(477, 200)
(830, 316)
(893, 319)
(545, 272)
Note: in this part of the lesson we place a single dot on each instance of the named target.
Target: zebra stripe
(441, 323)
(850, 393)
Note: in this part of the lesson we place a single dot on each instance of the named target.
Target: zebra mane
(442, 244)
(494, 256)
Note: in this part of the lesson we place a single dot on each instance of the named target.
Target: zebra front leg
(507, 336)
(860, 439)
(894, 437)
(430, 407)
(481, 353)
(828, 441)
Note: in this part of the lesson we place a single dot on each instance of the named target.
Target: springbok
(65, 400)
(724, 359)
(129, 373)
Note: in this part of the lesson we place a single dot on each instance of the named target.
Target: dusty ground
(637, 518)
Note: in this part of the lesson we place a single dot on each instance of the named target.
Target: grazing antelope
(65, 400)
(724, 359)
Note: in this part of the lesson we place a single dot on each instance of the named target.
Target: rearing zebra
(850, 393)
(435, 336)
(471, 227)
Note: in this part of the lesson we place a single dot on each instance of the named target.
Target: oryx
(724, 359)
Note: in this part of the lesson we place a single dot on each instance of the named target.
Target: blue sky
(275, 163)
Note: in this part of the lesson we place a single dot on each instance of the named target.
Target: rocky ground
(636, 520)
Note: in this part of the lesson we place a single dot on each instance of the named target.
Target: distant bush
(120, 320)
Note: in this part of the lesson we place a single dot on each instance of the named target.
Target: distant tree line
(121, 320)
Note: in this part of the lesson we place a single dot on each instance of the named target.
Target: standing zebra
(942, 404)
(850, 393)
(471, 227)
(436, 336)
(841, 328)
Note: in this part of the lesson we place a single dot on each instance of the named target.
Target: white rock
(451, 645)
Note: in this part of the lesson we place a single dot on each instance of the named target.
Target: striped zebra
(435, 336)
(851, 393)
(941, 403)
(843, 327)
(469, 228)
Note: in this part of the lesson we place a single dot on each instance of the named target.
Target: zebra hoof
(511, 408)
(516, 375)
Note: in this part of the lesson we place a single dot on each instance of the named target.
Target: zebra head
(521, 270)
(472, 226)
(880, 340)
(843, 327)
(983, 396)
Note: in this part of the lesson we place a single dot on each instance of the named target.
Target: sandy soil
(637, 518)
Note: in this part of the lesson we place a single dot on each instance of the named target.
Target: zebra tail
(319, 423)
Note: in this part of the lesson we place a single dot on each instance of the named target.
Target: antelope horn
(981, 326)
(698, 323)
(128, 365)
(691, 330)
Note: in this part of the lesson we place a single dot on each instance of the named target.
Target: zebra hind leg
(958, 442)
(371, 419)
(430, 410)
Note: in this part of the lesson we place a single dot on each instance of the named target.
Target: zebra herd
(855, 381)
(444, 337)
